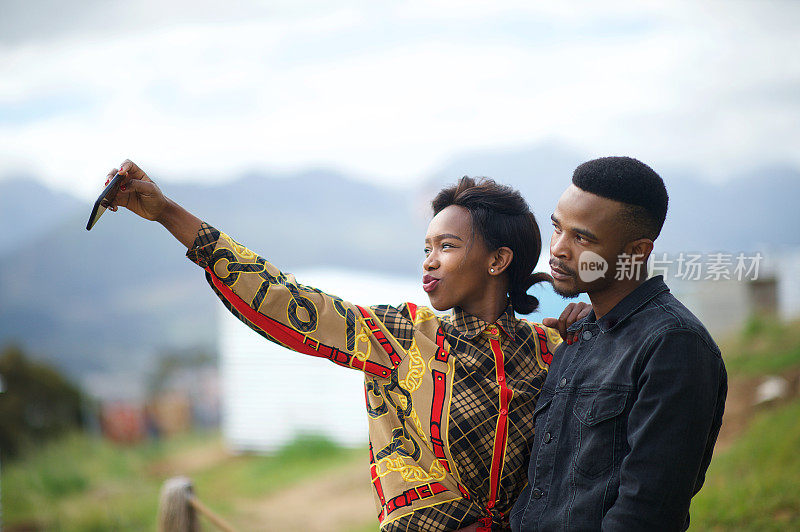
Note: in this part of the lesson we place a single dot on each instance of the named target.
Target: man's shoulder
(666, 315)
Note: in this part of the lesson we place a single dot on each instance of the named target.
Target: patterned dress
(449, 399)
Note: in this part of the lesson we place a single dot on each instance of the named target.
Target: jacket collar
(624, 309)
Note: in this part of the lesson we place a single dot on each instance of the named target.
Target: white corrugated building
(725, 305)
(264, 405)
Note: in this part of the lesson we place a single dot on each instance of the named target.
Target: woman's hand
(138, 193)
(572, 313)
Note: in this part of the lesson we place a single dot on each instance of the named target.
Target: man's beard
(565, 293)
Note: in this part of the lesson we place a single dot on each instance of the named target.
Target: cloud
(388, 91)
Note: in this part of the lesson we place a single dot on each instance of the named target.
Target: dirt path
(740, 408)
(340, 500)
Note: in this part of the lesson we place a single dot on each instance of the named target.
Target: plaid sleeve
(397, 321)
(203, 247)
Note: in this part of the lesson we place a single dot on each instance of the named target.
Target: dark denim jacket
(626, 421)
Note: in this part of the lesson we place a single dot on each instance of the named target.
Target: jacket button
(537, 493)
(547, 437)
(562, 383)
(587, 335)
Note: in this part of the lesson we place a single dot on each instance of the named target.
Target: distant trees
(37, 402)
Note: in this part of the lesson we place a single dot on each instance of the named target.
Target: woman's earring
(491, 270)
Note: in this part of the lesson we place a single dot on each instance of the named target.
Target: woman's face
(456, 267)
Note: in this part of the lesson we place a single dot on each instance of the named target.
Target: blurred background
(316, 133)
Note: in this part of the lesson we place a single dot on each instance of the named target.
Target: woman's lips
(429, 283)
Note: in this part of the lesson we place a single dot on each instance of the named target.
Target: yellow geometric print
(363, 338)
(410, 473)
(552, 335)
(418, 426)
(416, 369)
(424, 314)
(241, 251)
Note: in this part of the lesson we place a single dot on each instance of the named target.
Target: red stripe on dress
(293, 339)
(378, 334)
(547, 356)
(441, 353)
(437, 409)
(376, 482)
(412, 311)
(501, 432)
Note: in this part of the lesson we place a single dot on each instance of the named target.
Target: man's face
(588, 236)
(457, 261)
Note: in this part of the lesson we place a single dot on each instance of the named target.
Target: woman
(449, 399)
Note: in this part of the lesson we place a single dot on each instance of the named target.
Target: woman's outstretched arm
(269, 301)
(139, 194)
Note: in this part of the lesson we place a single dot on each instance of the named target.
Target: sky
(389, 91)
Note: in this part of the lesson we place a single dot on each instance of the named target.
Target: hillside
(29, 209)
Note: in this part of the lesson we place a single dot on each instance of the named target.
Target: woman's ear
(500, 260)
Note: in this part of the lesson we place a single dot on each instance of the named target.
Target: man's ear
(500, 260)
(639, 250)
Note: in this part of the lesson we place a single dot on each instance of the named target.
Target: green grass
(85, 483)
(755, 483)
(54, 487)
(764, 346)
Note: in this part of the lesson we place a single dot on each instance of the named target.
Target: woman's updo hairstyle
(501, 216)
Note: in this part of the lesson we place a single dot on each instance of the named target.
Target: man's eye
(580, 238)
(444, 246)
(427, 251)
(556, 229)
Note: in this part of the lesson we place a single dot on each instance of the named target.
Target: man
(629, 413)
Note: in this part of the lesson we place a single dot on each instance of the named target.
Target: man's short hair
(633, 183)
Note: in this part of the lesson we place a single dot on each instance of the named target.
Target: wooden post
(178, 509)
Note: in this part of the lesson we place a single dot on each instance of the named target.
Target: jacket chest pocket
(599, 431)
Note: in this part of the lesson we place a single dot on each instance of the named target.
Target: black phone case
(108, 193)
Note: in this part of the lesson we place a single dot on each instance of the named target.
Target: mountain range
(112, 300)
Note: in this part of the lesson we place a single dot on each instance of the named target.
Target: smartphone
(105, 199)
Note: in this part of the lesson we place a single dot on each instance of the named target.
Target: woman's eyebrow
(444, 236)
